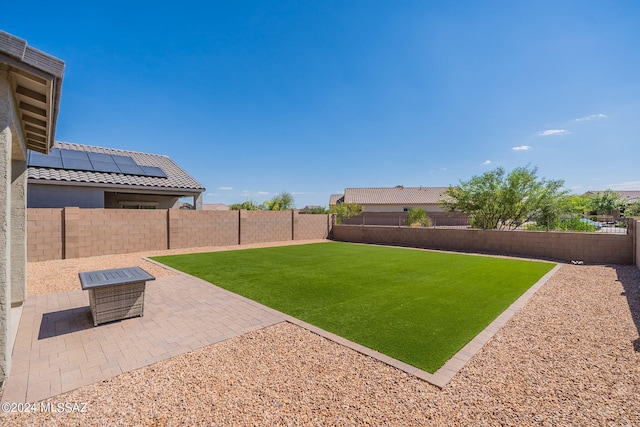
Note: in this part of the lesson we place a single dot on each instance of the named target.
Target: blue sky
(258, 97)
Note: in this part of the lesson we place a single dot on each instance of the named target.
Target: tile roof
(176, 176)
(628, 195)
(395, 195)
(334, 199)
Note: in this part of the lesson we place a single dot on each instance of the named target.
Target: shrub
(574, 224)
(418, 218)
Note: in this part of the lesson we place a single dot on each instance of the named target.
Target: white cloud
(521, 148)
(246, 193)
(591, 117)
(486, 162)
(625, 186)
(225, 188)
(550, 132)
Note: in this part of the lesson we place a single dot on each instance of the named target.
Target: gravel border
(570, 356)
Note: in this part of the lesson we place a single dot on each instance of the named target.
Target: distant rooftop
(391, 195)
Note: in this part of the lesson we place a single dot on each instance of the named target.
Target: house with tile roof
(626, 195)
(393, 199)
(389, 205)
(97, 177)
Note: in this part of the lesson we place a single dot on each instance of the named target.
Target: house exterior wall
(60, 196)
(12, 216)
(115, 200)
(18, 230)
(400, 208)
(589, 247)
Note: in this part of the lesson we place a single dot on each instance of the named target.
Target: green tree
(418, 218)
(554, 209)
(249, 205)
(281, 202)
(314, 210)
(496, 200)
(632, 209)
(605, 202)
(345, 210)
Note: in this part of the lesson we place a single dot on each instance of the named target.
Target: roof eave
(36, 79)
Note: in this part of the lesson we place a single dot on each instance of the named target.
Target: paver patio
(58, 349)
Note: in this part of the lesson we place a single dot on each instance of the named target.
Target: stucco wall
(60, 196)
(400, 208)
(588, 247)
(115, 200)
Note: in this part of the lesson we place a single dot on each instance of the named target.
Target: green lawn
(416, 306)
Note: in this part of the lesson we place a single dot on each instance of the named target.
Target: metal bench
(115, 294)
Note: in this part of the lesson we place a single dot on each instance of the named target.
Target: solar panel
(109, 167)
(131, 169)
(94, 162)
(123, 160)
(100, 157)
(45, 161)
(153, 171)
(72, 154)
(77, 164)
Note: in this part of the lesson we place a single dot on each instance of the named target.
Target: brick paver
(58, 349)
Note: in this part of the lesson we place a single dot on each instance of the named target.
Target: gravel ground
(570, 357)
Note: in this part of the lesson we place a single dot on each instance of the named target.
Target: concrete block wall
(633, 227)
(74, 232)
(307, 227)
(44, 234)
(589, 247)
(114, 231)
(266, 226)
(190, 229)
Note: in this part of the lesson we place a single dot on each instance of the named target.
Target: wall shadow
(629, 277)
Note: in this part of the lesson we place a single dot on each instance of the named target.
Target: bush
(574, 224)
(345, 210)
(418, 218)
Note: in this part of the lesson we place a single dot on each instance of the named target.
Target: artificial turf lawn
(419, 307)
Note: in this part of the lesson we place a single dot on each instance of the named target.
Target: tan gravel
(48, 277)
(569, 357)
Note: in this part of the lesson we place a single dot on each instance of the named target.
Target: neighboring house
(30, 85)
(389, 205)
(215, 207)
(629, 196)
(626, 195)
(96, 177)
(393, 199)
